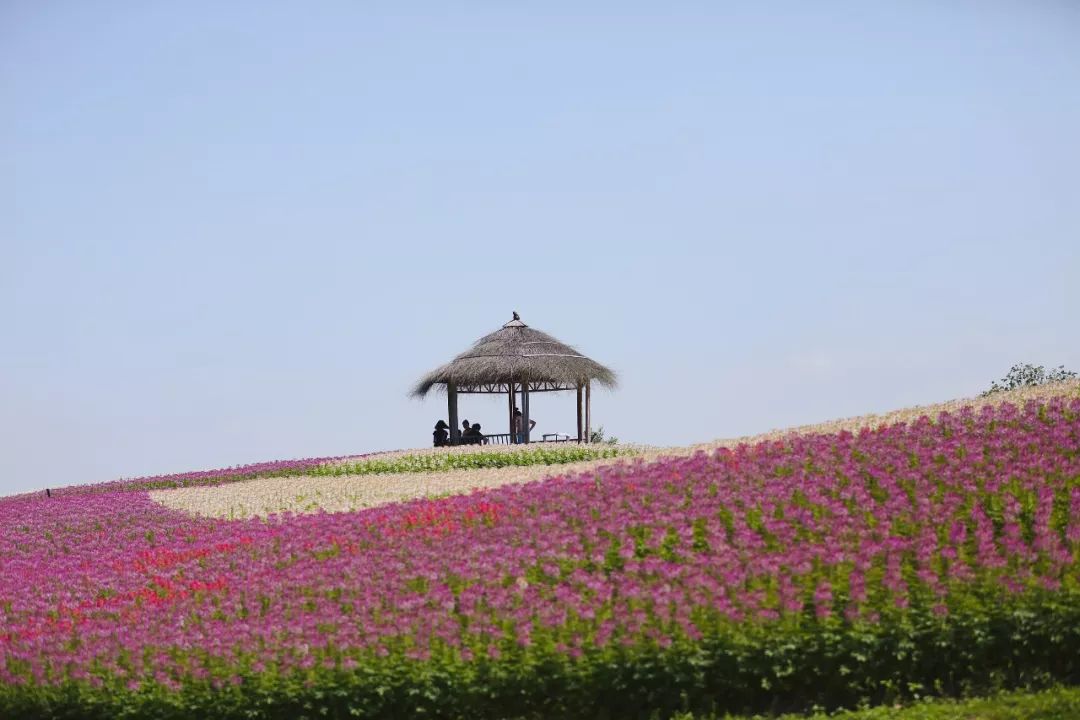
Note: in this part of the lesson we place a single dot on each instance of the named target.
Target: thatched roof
(517, 353)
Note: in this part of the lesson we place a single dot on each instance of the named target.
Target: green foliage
(1030, 642)
(1061, 703)
(441, 462)
(1028, 375)
(597, 436)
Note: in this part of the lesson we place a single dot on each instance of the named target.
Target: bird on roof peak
(516, 316)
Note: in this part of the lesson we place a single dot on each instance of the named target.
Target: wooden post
(579, 413)
(588, 411)
(525, 410)
(510, 401)
(451, 410)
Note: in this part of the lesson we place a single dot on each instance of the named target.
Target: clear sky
(235, 232)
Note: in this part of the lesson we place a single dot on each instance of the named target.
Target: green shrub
(1059, 703)
(1028, 375)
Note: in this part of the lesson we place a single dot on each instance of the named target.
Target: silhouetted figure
(442, 434)
(48, 493)
(477, 436)
(519, 426)
(465, 429)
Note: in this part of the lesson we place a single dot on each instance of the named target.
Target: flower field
(201, 478)
(479, 457)
(385, 478)
(934, 557)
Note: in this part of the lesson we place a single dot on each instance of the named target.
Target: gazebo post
(525, 410)
(579, 412)
(510, 407)
(589, 411)
(451, 410)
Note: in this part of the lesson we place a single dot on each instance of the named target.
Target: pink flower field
(819, 569)
(275, 468)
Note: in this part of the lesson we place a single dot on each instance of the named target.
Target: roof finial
(516, 316)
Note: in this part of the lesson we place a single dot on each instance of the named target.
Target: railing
(508, 439)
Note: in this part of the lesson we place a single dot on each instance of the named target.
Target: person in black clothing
(477, 437)
(441, 434)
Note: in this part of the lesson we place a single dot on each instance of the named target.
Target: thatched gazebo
(517, 359)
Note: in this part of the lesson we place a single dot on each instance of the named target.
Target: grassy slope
(1055, 704)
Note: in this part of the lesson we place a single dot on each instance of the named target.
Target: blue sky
(240, 233)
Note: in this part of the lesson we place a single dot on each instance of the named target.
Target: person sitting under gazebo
(442, 434)
(473, 436)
